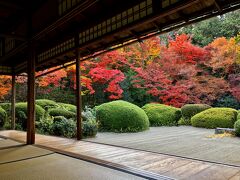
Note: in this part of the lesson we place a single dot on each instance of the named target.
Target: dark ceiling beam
(10, 5)
(136, 35)
(164, 28)
(13, 52)
(218, 6)
(67, 17)
(184, 16)
(158, 27)
(13, 36)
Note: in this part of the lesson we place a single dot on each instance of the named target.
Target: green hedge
(46, 103)
(237, 127)
(189, 110)
(63, 127)
(68, 107)
(90, 128)
(215, 117)
(88, 113)
(44, 126)
(7, 108)
(62, 112)
(3, 117)
(60, 126)
(121, 116)
(21, 114)
(162, 115)
(183, 122)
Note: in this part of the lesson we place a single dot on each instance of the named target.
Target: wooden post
(31, 98)
(13, 101)
(78, 96)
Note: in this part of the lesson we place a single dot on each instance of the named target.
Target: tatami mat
(60, 167)
(26, 162)
(20, 153)
(7, 143)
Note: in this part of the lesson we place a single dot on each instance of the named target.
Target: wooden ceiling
(56, 28)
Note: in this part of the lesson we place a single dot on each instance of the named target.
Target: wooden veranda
(40, 34)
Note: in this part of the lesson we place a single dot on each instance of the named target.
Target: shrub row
(61, 126)
(120, 116)
(51, 118)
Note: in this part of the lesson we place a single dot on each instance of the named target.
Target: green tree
(206, 31)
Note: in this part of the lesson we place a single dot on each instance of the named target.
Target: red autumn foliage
(52, 78)
(112, 77)
(177, 73)
(5, 85)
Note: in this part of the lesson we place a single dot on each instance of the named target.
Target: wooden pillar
(13, 101)
(78, 96)
(31, 98)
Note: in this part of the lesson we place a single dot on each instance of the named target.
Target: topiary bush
(68, 107)
(189, 110)
(62, 112)
(215, 117)
(21, 114)
(162, 115)
(237, 127)
(46, 103)
(121, 116)
(63, 127)
(3, 117)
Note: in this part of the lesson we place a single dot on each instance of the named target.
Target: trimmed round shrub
(162, 115)
(189, 110)
(63, 127)
(68, 107)
(121, 116)
(238, 116)
(237, 127)
(46, 103)
(21, 114)
(62, 112)
(215, 117)
(3, 117)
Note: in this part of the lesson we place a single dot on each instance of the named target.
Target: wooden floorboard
(171, 166)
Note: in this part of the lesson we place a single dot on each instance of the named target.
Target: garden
(187, 77)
